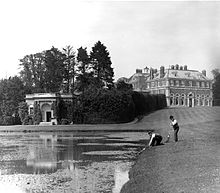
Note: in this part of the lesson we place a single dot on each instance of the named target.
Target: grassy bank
(189, 166)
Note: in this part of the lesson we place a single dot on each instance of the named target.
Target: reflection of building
(44, 156)
(181, 86)
(121, 177)
(45, 100)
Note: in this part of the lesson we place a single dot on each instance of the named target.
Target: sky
(136, 33)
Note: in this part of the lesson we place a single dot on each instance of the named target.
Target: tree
(216, 87)
(215, 72)
(85, 76)
(37, 116)
(11, 94)
(33, 72)
(69, 69)
(54, 62)
(23, 112)
(123, 86)
(101, 65)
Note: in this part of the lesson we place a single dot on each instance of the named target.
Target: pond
(68, 161)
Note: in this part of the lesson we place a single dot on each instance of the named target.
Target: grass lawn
(191, 165)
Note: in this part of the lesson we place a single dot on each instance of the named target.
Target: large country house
(182, 87)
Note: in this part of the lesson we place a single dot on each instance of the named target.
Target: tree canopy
(216, 86)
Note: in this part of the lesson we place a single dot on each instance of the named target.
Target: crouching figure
(155, 139)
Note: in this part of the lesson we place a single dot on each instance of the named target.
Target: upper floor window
(182, 83)
(197, 84)
(207, 84)
(203, 84)
(177, 83)
(171, 83)
(152, 84)
(190, 83)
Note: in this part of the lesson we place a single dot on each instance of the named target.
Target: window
(31, 110)
(182, 83)
(162, 91)
(207, 84)
(203, 84)
(197, 84)
(171, 83)
(177, 83)
(190, 83)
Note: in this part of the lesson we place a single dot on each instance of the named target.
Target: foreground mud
(190, 166)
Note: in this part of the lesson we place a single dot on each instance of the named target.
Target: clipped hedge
(145, 103)
(108, 106)
(216, 102)
(114, 106)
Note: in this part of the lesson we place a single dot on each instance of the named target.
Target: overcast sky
(137, 34)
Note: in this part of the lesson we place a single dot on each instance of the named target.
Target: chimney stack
(185, 67)
(177, 67)
(172, 67)
(181, 68)
(138, 71)
(204, 72)
(162, 72)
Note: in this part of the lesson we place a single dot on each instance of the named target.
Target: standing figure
(155, 139)
(175, 126)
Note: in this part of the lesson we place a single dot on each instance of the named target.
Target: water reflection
(97, 162)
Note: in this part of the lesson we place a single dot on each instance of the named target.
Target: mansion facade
(182, 87)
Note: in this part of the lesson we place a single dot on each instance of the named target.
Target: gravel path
(191, 165)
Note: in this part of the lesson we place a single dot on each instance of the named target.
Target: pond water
(96, 161)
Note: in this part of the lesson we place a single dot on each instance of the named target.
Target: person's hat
(150, 132)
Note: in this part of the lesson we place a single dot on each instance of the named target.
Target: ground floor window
(171, 101)
(177, 100)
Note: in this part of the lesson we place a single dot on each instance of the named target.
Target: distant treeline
(99, 99)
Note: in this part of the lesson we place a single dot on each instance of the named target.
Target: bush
(23, 112)
(37, 117)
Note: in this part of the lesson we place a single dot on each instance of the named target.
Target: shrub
(37, 117)
(23, 112)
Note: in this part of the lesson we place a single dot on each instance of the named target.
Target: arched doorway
(47, 113)
(182, 101)
(177, 99)
(171, 100)
(190, 100)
